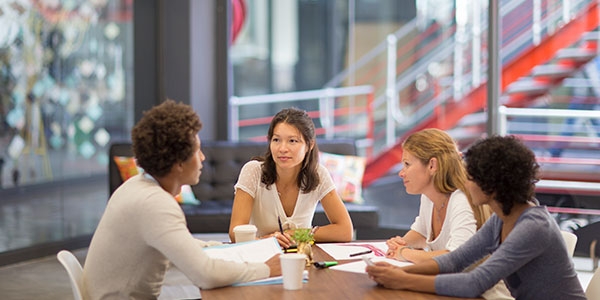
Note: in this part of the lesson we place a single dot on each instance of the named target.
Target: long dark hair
(308, 179)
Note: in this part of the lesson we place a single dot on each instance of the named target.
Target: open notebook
(252, 251)
(177, 286)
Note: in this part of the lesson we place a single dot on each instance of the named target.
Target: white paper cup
(292, 267)
(244, 233)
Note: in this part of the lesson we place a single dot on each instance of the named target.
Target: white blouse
(459, 224)
(267, 205)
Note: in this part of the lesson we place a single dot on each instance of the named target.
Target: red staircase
(531, 74)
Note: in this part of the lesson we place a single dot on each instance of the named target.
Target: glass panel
(376, 70)
(65, 94)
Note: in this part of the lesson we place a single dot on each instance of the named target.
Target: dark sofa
(224, 160)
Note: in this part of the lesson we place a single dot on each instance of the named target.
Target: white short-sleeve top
(267, 205)
(458, 227)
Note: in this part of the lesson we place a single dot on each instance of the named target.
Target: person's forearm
(420, 283)
(414, 239)
(334, 233)
(427, 267)
(419, 255)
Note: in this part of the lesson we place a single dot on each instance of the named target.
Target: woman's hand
(387, 275)
(394, 244)
(274, 265)
(285, 240)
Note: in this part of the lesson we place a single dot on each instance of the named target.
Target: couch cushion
(347, 174)
(128, 168)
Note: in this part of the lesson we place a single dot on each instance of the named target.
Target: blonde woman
(432, 167)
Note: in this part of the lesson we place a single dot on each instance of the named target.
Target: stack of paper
(253, 251)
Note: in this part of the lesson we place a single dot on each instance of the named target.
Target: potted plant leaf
(304, 240)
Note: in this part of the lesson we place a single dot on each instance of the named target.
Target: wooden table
(322, 284)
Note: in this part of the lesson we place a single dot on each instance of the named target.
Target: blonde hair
(451, 174)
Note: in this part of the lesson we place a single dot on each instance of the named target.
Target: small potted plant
(304, 240)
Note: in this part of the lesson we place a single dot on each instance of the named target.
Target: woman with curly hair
(522, 242)
(280, 190)
(432, 167)
(143, 228)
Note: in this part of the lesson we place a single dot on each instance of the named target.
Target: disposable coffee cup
(244, 233)
(292, 267)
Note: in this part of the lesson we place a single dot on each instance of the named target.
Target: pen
(280, 226)
(325, 264)
(361, 253)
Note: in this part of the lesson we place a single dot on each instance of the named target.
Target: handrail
(569, 185)
(556, 185)
(504, 112)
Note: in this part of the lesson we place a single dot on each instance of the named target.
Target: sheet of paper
(343, 250)
(177, 286)
(359, 266)
(272, 280)
(176, 292)
(252, 251)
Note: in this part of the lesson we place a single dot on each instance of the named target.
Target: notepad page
(341, 251)
(253, 251)
(360, 266)
(272, 280)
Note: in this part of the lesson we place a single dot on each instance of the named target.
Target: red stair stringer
(448, 116)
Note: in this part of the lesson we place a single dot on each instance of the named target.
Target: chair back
(593, 289)
(570, 240)
(75, 271)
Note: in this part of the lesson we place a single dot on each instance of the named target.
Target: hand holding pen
(284, 239)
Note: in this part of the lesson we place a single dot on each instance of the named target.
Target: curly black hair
(503, 166)
(164, 136)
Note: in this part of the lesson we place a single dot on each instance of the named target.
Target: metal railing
(553, 136)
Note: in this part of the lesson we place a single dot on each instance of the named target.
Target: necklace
(439, 210)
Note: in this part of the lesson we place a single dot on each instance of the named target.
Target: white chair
(75, 271)
(570, 240)
(593, 289)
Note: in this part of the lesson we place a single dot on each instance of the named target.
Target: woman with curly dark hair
(280, 191)
(143, 228)
(521, 243)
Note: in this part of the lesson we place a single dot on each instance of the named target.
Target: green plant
(303, 235)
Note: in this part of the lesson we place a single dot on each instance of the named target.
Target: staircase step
(554, 71)
(591, 36)
(528, 86)
(576, 54)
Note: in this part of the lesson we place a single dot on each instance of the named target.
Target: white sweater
(143, 229)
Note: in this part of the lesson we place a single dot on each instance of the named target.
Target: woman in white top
(432, 167)
(286, 185)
